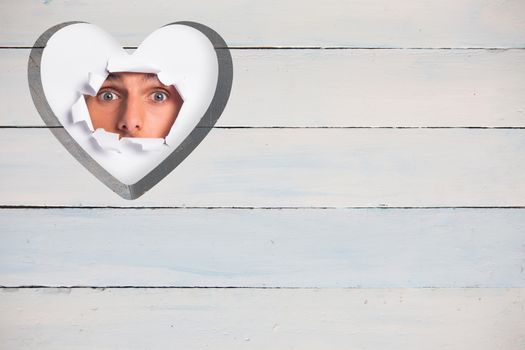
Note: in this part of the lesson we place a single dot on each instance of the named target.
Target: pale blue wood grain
(361, 248)
(365, 248)
(290, 167)
(409, 319)
(343, 88)
(354, 23)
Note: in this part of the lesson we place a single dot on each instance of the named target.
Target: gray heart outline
(206, 123)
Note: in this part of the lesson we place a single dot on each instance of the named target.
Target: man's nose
(131, 118)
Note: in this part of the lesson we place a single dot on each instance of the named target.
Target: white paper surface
(80, 113)
(107, 140)
(93, 84)
(76, 61)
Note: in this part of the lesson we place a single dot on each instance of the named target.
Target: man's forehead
(122, 76)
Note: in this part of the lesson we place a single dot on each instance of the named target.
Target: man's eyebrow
(151, 76)
(117, 78)
(113, 77)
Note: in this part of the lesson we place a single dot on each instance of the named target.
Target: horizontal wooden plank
(356, 23)
(263, 248)
(343, 88)
(290, 167)
(263, 319)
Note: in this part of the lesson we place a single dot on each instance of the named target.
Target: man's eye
(159, 96)
(108, 96)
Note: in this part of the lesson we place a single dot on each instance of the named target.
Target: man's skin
(134, 105)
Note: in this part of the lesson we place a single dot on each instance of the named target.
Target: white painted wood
(412, 319)
(343, 88)
(356, 23)
(308, 247)
(283, 167)
(366, 248)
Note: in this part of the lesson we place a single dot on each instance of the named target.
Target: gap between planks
(255, 207)
(241, 287)
(311, 48)
(302, 127)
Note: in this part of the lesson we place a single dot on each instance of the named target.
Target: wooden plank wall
(364, 188)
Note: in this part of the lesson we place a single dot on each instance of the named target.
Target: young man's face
(134, 105)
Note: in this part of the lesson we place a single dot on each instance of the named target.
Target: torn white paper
(131, 64)
(77, 60)
(94, 83)
(146, 144)
(107, 140)
(80, 113)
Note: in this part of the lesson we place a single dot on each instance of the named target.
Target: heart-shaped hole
(130, 119)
